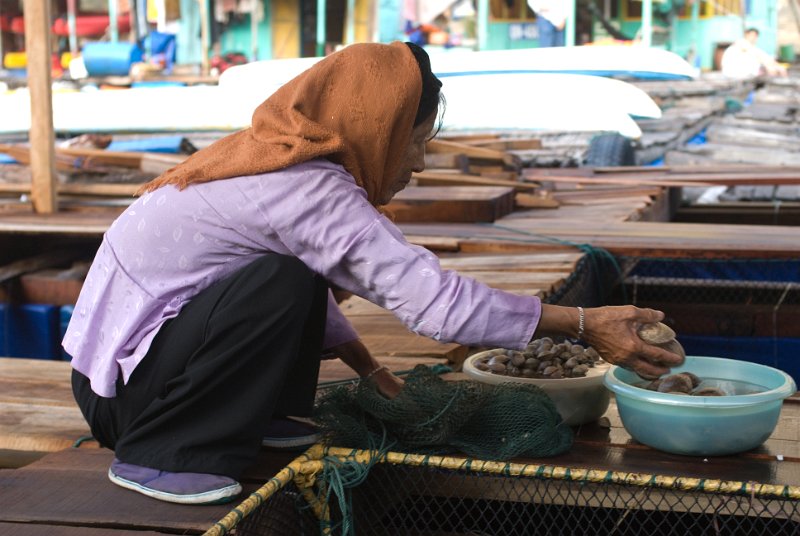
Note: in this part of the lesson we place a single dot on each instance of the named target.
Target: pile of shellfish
(543, 358)
(684, 383)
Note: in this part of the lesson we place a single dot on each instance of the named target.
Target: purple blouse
(169, 245)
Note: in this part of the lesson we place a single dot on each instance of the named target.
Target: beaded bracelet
(581, 322)
(374, 372)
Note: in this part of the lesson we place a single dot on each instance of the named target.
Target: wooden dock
(51, 487)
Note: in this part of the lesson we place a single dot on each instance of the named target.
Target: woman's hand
(388, 384)
(357, 357)
(612, 331)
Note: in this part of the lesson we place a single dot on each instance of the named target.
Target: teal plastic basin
(704, 425)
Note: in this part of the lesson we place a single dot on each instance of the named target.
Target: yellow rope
(304, 469)
(306, 464)
(573, 474)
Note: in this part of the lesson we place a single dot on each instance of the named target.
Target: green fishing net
(434, 416)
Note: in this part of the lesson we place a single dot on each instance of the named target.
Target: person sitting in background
(743, 59)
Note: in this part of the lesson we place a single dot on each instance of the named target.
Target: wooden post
(37, 46)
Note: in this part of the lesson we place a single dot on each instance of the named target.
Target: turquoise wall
(511, 35)
(719, 29)
(188, 41)
(390, 22)
(236, 38)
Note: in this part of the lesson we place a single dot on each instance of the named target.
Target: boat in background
(501, 99)
(615, 61)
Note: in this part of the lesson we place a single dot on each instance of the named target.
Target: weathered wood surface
(38, 413)
(37, 410)
(621, 238)
(452, 204)
(71, 487)
(39, 529)
(385, 335)
(433, 178)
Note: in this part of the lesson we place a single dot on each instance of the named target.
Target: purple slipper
(183, 488)
(287, 433)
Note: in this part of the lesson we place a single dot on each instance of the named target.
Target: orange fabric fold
(356, 108)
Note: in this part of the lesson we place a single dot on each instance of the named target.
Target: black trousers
(243, 350)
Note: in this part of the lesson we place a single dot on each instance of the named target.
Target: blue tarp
(779, 353)
(29, 330)
(734, 270)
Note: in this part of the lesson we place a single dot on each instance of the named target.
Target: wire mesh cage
(739, 308)
(417, 495)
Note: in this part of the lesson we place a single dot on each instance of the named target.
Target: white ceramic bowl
(578, 400)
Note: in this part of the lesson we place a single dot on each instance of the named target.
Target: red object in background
(228, 60)
(91, 25)
(5, 23)
(17, 25)
(56, 71)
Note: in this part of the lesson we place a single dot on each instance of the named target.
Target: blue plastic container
(29, 330)
(703, 425)
(64, 316)
(110, 59)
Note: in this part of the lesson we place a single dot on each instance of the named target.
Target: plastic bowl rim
(617, 386)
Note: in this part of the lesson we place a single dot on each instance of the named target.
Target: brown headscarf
(356, 108)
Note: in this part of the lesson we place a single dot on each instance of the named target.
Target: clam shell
(676, 348)
(656, 333)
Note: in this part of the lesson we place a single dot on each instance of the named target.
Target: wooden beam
(37, 45)
(427, 178)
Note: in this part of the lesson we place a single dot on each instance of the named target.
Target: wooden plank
(447, 160)
(37, 46)
(622, 238)
(71, 487)
(427, 178)
(539, 200)
(75, 188)
(38, 529)
(541, 262)
(508, 144)
(56, 287)
(93, 223)
(443, 146)
(665, 182)
(46, 259)
(28, 426)
(387, 336)
(452, 203)
(335, 370)
(511, 281)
